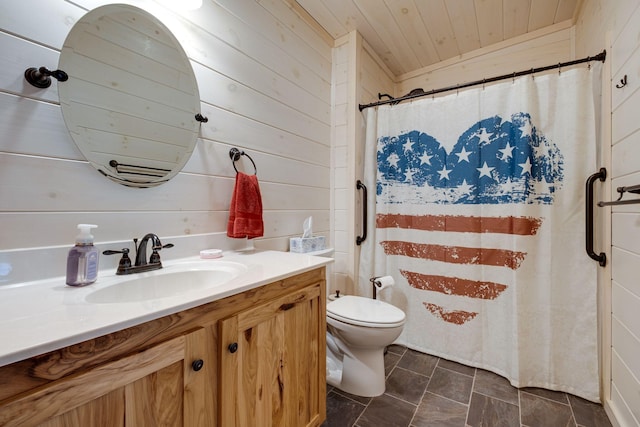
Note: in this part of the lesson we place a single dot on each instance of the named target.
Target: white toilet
(358, 330)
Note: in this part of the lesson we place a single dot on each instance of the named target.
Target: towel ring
(235, 155)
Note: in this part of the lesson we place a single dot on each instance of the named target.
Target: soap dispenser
(82, 262)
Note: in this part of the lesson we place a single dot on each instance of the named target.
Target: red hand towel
(245, 212)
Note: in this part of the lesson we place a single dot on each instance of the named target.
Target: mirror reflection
(131, 98)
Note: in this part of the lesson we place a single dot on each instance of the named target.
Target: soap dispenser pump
(82, 261)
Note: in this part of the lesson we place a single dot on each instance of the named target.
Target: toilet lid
(365, 311)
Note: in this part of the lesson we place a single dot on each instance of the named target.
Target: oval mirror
(131, 100)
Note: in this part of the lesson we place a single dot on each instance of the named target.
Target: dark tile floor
(424, 390)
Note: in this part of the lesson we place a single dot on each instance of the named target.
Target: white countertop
(38, 317)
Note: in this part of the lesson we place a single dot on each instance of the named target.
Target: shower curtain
(479, 217)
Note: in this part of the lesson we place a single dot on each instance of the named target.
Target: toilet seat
(366, 312)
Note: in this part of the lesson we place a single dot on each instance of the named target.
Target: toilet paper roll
(384, 282)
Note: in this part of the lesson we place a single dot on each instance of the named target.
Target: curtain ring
(483, 81)
(559, 68)
(533, 76)
(514, 77)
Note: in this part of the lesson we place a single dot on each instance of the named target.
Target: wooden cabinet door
(273, 363)
(156, 387)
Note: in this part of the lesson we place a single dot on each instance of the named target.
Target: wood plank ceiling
(413, 34)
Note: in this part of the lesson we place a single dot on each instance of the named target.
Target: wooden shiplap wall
(340, 271)
(618, 23)
(625, 226)
(264, 77)
(358, 77)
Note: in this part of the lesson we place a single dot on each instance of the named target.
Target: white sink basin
(167, 282)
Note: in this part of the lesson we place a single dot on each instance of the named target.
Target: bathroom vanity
(249, 353)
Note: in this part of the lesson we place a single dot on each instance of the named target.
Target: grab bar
(602, 257)
(361, 186)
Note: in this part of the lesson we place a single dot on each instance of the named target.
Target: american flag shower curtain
(479, 217)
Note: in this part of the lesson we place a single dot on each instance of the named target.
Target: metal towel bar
(138, 169)
(635, 189)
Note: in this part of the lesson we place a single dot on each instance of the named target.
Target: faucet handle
(158, 247)
(155, 256)
(125, 261)
(124, 252)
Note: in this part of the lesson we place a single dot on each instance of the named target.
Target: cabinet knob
(233, 347)
(197, 364)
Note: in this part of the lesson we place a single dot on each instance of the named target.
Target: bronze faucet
(141, 264)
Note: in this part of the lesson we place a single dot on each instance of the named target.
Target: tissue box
(306, 244)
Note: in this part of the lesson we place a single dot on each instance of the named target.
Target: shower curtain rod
(417, 93)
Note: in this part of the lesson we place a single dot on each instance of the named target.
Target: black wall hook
(41, 77)
(623, 82)
(201, 118)
(235, 155)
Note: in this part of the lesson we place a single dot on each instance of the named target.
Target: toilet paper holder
(380, 283)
